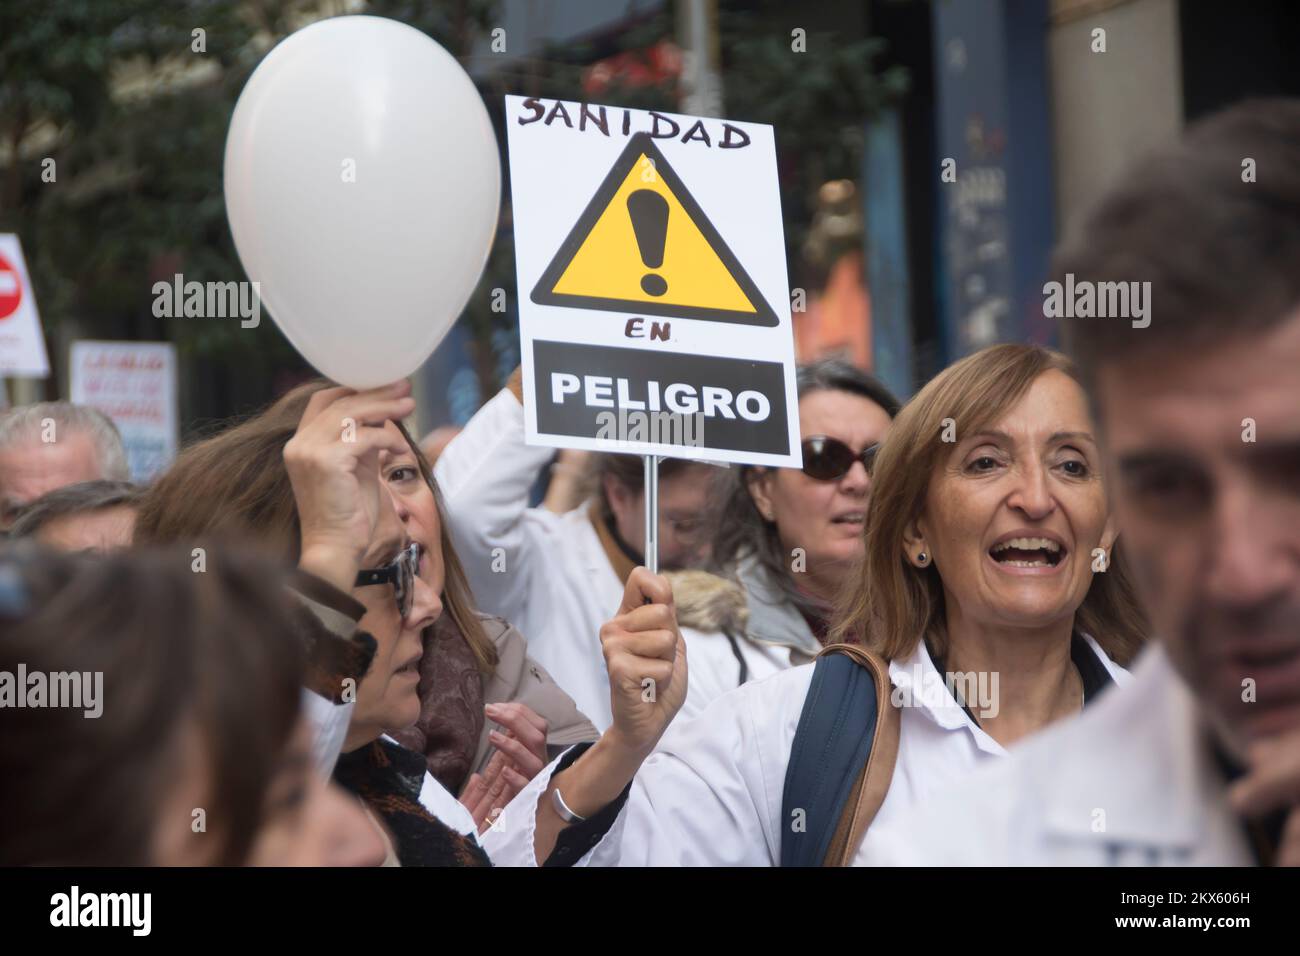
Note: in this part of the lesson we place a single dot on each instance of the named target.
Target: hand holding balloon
(333, 466)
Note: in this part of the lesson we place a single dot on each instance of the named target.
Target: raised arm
(485, 475)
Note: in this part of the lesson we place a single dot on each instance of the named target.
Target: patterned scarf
(451, 706)
(389, 778)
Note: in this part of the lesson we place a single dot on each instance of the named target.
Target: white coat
(1131, 782)
(547, 574)
(714, 669)
(724, 621)
(551, 577)
(711, 793)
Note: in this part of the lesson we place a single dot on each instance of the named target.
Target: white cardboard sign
(22, 344)
(654, 305)
(134, 384)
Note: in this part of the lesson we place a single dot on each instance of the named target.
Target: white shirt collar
(919, 685)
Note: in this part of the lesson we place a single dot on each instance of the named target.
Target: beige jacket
(519, 678)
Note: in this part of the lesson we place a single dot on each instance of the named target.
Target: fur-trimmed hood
(708, 602)
(748, 606)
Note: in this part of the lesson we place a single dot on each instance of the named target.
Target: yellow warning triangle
(644, 245)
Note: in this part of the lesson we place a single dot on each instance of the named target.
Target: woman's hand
(333, 465)
(524, 740)
(487, 793)
(646, 660)
(520, 756)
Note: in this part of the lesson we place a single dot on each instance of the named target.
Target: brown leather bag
(873, 781)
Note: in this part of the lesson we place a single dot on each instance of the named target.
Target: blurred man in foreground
(1197, 762)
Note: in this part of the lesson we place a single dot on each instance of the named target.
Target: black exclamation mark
(649, 212)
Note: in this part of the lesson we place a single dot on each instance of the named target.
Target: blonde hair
(890, 603)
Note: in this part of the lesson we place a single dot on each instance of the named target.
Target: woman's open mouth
(1028, 552)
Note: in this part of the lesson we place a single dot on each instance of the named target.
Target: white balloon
(363, 184)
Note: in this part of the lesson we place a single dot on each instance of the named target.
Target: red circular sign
(11, 288)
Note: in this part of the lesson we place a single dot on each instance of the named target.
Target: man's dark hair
(80, 498)
(1212, 222)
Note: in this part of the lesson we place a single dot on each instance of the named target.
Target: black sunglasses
(400, 573)
(829, 459)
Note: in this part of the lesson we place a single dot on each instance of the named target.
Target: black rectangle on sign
(739, 404)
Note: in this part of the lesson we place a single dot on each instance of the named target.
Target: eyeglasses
(400, 573)
(829, 459)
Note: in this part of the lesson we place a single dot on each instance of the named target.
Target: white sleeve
(508, 841)
(485, 474)
(710, 795)
(692, 804)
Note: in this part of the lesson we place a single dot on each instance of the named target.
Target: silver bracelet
(562, 809)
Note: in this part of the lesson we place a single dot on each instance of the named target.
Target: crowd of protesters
(311, 643)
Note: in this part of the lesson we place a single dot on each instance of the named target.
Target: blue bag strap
(837, 728)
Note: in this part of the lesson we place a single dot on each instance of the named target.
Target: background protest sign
(653, 297)
(133, 383)
(22, 345)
